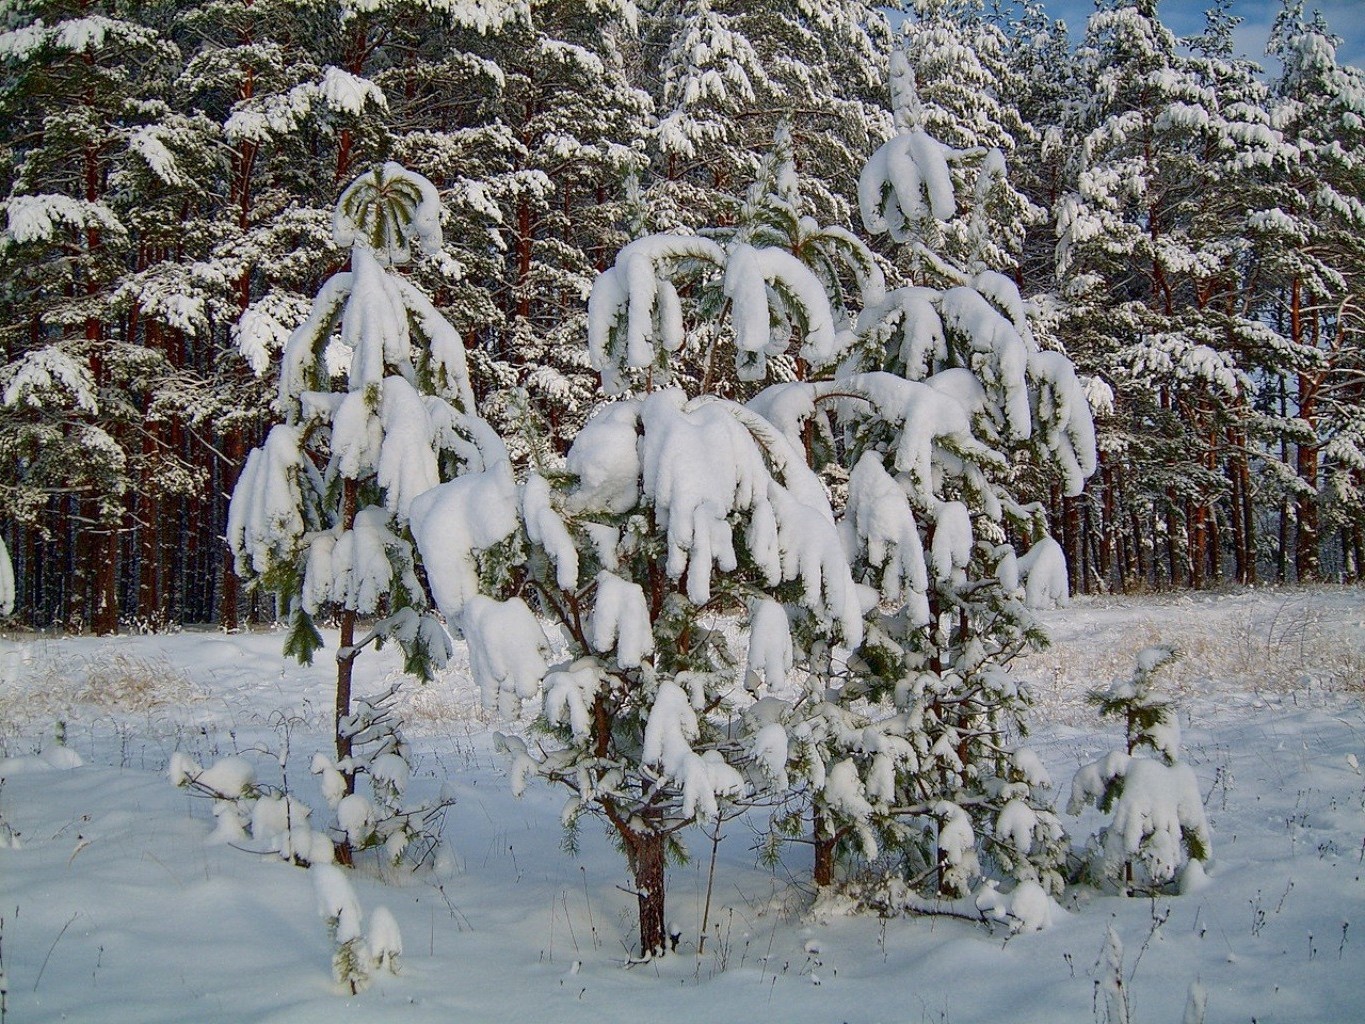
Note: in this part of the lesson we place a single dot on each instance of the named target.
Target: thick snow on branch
(634, 304)
(407, 458)
(925, 417)
(1066, 428)
(605, 458)
(265, 117)
(454, 522)
(879, 521)
(770, 644)
(912, 313)
(449, 367)
(507, 651)
(620, 619)
(146, 143)
(374, 322)
(905, 181)
(569, 695)
(996, 354)
(362, 572)
(705, 464)
(951, 548)
(770, 290)
(302, 352)
(357, 433)
(349, 94)
(1043, 570)
(74, 35)
(546, 528)
(669, 732)
(265, 518)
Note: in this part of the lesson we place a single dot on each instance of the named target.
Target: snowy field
(113, 908)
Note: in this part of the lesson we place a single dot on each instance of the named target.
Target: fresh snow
(118, 909)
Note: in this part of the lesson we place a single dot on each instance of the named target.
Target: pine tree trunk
(104, 615)
(1307, 560)
(228, 620)
(350, 493)
(1173, 538)
(646, 852)
(824, 841)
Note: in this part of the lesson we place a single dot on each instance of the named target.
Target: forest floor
(114, 909)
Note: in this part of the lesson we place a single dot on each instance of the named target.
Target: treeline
(1189, 230)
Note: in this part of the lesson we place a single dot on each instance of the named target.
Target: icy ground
(113, 908)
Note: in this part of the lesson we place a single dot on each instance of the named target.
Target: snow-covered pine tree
(1312, 243)
(1159, 833)
(574, 123)
(94, 158)
(911, 746)
(376, 399)
(1151, 260)
(668, 516)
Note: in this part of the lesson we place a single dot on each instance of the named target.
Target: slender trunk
(1074, 544)
(350, 493)
(1198, 516)
(645, 851)
(1172, 537)
(523, 291)
(1248, 513)
(104, 620)
(1307, 564)
(823, 838)
(235, 450)
(1110, 562)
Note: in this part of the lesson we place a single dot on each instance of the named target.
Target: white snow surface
(118, 911)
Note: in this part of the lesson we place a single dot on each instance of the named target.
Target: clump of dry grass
(1288, 648)
(126, 682)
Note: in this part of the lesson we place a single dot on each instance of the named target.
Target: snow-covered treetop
(710, 71)
(385, 211)
(790, 285)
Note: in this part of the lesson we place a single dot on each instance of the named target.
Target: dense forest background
(1188, 228)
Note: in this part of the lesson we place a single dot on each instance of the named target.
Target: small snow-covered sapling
(1159, 835)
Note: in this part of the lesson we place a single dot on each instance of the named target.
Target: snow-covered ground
(114, 909)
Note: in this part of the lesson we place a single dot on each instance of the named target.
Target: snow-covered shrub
(1159, 835)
